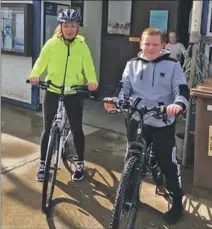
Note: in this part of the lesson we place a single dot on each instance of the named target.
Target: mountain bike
(139, 162)
(58, 146)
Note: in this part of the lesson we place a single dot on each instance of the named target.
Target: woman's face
(69, 29)
(172, 38)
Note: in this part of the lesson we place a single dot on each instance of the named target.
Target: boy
(155, 77)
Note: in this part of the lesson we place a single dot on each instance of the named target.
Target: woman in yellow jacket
(66, 56)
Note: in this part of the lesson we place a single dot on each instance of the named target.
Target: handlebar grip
(109, 101)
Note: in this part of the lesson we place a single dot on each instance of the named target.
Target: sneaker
(40, 172)
(174, 214)
(79, 172)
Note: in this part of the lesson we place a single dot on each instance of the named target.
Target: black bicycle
(58, 145)
(139, 162)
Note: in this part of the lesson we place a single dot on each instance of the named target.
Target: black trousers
(163, 140)
(74, 109)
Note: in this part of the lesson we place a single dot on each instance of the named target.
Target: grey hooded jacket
(161, 80)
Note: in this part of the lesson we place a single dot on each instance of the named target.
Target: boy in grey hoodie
(155, 77)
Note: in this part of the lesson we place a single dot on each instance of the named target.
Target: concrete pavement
(85, 204)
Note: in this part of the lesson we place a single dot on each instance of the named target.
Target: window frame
(28, 15)
(81, 6)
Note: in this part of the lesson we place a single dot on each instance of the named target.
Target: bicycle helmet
(68, 15)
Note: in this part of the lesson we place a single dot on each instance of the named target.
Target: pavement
(85, 204)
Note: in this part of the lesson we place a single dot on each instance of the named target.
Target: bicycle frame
(61, 120)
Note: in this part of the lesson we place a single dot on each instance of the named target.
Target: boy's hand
(109, 106)
(173, 109)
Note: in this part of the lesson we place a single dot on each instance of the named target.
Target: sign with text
(159, 19)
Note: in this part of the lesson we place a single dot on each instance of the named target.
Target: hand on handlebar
(108, 105)
(173, 109)
(92, 86)
(34, 80)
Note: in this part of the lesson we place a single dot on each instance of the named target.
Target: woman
(176, 49)
(65, 46)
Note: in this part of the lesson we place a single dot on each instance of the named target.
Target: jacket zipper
(153, 78)
(68, 54)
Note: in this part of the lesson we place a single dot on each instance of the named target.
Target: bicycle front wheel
(50, 171)
(127, 196)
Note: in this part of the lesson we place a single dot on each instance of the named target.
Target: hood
(164, 54)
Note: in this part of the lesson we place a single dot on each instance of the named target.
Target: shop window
(16, 28)
(78, 5)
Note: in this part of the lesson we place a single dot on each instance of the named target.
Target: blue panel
(17, 103)
(205, 10)
(36, 34)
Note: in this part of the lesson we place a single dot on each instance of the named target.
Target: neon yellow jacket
(53, 56)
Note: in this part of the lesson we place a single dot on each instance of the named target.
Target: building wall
(14, 71)
(92, 29)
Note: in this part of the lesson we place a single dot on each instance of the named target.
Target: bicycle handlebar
(122, 104)
(78, 88)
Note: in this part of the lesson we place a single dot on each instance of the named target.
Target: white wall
(92, 29)
(15, 70)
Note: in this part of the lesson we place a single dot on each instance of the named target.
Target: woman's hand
(92, 86)
(34, 80)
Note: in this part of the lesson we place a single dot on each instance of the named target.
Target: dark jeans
(74, 108)
(163, 140)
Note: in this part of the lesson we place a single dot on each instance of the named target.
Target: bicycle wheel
(50, 171)
(127, 196)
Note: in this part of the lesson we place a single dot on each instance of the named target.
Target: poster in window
(7, 33)
(19, 39)
(159, 19)
(119, 17)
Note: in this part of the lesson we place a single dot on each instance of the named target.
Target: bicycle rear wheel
(127, 196)
(50, 171)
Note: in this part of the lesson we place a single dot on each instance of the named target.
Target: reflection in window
(12, 19)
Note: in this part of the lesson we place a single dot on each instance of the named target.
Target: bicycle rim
(126, 201)
(50, 171)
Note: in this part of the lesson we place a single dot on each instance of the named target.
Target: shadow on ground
(88, 204)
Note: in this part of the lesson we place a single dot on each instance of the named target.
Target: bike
(139, 162)
(58, 145)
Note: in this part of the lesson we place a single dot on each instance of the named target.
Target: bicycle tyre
(54, 142)
(131, 167)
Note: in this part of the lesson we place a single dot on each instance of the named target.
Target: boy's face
(151, 46)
